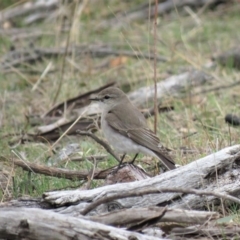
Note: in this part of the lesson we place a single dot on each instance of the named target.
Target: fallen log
(23, 56)
(218, 172)
(27, 8)
(32, 224)
(135, 215)
(141, 13)
(171, 86)
(76, 102)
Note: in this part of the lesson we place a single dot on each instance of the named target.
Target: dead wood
(142, 13)
(132, 216)
(53, 126)
(32, 224)
(101, 142)
(79, 101)
(12, 32)
(135, 218)
(127, 217)
(53, 131)
(17, 34)
(59, 172)
(84, 124)
(171, 86)
(36, 17)
(28, 7)
(155, 191)
(26, 202)
(214, 173)
(23, 56)
(127, 173)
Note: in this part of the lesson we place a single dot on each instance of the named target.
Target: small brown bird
(125, 127)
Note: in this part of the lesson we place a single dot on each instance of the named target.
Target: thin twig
(7, 186)
(218, 88)
(101, 142)
(57, 172)
(63, 65)
(58, 140)
(134, 193)
(91, 174)
(155, 68)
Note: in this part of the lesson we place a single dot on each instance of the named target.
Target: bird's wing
(141, 135)
(131, 127)
(128, 117)
(148, 139)
(145, 137)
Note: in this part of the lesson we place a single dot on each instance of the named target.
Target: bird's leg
(134, 158)
(122, 158)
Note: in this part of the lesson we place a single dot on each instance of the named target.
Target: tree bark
(32, 224)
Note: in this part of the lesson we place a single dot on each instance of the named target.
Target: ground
(189, 38)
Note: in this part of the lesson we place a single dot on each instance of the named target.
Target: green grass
(6, 3)
(179, 38)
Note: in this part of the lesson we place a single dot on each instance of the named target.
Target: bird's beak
(94, 98)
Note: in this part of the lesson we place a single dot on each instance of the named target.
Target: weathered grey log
(134, 215)
(24, 33)
(28, 7)
(37, 224)
(126, 217)
(172, 86)
(22, 56)
(216, 172)
(26, 202)
(123, 19)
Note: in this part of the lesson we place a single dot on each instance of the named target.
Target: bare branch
(58, 172)
(135, 193)
(101, 142)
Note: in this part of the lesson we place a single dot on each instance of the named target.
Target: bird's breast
(119, 142)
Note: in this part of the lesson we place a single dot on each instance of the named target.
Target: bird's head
(110, 97)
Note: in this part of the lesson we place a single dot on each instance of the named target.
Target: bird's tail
(166, 160)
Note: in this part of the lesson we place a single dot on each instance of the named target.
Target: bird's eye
(106, 97)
